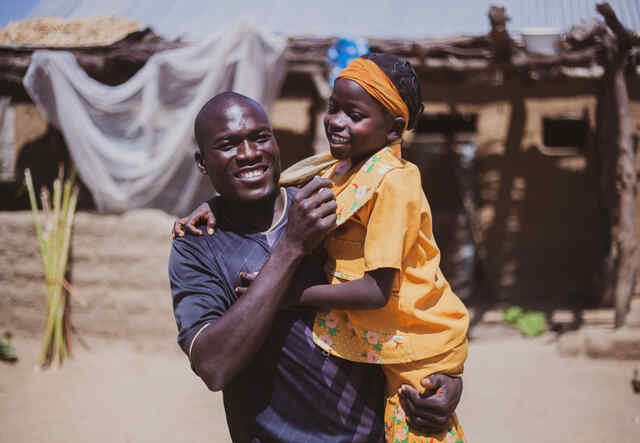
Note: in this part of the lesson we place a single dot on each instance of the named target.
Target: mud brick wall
(119, 267)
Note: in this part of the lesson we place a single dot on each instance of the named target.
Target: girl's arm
(369, 292)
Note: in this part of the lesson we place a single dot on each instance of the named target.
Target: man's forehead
(237, 115)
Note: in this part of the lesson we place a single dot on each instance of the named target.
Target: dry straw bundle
(59, 32)
(54, 239)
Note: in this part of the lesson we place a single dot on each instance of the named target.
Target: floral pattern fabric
(333, 327)
(354, 190)
(397, 430)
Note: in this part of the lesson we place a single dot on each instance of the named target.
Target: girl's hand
(202, 215)
(431, 412)
(245, 280)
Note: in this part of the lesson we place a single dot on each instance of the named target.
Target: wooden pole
(617, 169)
(318, 110)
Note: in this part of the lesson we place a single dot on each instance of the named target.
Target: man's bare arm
(228, 344)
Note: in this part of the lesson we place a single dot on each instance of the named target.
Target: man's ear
(396, 130)
(199, 163)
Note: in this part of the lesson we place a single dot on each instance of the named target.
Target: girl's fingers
(248, 277)
(211, 223)
(177, 230)
(191, 227)
(202, 215)
(204, 218)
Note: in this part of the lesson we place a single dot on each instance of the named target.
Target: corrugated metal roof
(382, 18)
(563, 14)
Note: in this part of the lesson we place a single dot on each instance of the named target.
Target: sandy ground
(134, 385)
(515, 390)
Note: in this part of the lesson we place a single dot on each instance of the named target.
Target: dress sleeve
(197, 289)
(394, 219)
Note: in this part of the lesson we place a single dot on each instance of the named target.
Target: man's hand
(312, 214)
(202, 215)
(431, 411)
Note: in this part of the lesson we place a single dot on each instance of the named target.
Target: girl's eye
(356, 117)
(331, 108)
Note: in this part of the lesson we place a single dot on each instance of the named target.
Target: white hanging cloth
(133, 144)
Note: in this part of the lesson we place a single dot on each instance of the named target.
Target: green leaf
(512, 314)
(7, 351)
(532, 323)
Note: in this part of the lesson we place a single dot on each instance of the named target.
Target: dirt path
(116, 393)
(519, 390)
(515, 391)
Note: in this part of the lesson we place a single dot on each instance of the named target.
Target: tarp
(133, 144)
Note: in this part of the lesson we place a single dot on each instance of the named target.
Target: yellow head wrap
(373, 80)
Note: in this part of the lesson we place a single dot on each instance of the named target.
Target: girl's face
(356, 124)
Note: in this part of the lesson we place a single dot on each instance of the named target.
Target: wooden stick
(617, 171)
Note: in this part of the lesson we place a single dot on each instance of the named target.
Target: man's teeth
(251, 174)
(338, 140)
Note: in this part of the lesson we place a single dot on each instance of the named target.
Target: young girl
(387, 302)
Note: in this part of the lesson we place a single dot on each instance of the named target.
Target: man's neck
(251, 217)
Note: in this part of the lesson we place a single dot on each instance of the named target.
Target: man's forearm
(225, 347)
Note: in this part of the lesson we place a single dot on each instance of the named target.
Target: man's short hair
(213, 106)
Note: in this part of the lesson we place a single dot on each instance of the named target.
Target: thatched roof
(111, 64)
(60, 32)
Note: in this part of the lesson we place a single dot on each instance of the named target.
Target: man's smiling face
(238, 150)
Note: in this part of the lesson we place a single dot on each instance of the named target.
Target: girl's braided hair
(405, 79)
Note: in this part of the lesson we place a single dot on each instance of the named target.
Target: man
(277, 385)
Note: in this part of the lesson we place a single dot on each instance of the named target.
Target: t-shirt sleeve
(197, 289)
(394, 219)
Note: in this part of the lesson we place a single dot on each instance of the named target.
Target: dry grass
(55, 31)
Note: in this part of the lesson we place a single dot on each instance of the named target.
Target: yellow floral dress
(384, 221)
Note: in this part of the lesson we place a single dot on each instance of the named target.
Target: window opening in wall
(446, 123)
(567, 135)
